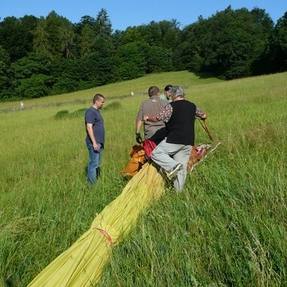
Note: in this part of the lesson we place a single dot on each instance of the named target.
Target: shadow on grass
(65, 114)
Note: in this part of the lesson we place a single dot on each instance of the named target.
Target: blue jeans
(94, 163)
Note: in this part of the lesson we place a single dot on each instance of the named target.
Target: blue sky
(130, 13)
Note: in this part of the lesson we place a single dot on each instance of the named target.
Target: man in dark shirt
(95, 139)
(173, 152)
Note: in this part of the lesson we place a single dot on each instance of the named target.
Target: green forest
(51, 55)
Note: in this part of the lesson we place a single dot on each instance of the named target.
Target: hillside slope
(227, 228)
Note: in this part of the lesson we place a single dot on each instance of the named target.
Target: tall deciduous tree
(60, 35)
(16, 35)
(228, 43)
(87, 39)
(5, 73)
(158, 59)
(41, 39)
(131, 60)
(103, 24)
(163, 34)
(280, 43)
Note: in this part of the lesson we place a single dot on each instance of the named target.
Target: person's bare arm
(200, 114)
(138, 125)
(92, 136)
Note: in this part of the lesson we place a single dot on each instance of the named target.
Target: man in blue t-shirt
(95, 139)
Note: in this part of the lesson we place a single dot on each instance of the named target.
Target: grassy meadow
(227, 228)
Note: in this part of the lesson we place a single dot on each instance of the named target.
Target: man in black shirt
(173, 152)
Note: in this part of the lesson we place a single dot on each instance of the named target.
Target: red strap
(106, 234)
(149, 146)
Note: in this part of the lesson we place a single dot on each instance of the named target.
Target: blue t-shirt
(93, 116)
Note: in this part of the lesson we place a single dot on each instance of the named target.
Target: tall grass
(227, 228)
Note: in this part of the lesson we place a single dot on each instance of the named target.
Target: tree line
(51, 55)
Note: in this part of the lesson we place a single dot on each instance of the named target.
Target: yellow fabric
(82, 264)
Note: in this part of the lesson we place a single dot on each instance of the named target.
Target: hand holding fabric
(139, 139)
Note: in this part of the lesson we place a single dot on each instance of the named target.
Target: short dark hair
(168, 88)
(97, 97)
(153, 91)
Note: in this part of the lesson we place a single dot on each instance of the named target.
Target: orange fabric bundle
(137, 155)
(197, 153)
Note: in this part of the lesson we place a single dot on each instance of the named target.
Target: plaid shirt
(166, 113)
